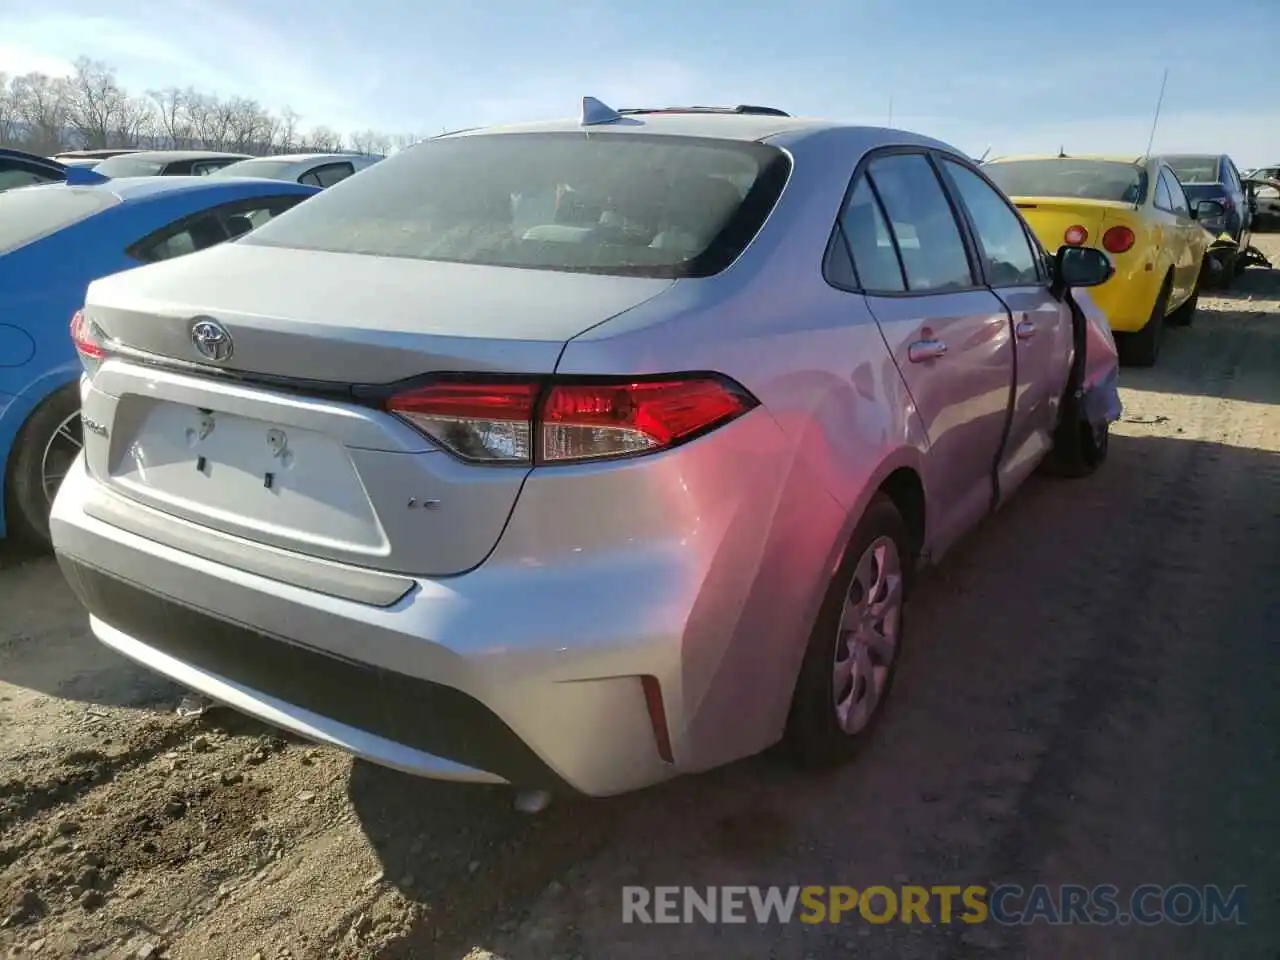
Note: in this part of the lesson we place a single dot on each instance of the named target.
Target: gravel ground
(1090, 696)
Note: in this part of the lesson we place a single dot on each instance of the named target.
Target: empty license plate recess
(246, 476)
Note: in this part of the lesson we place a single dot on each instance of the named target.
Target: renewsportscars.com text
(1149, 904)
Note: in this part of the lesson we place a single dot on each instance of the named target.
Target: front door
(1015, 271)
(949, 336)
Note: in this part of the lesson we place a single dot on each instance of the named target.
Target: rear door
(1240, 200)
(1014, 269)
(1190, 248)
(1169, 239)
(949, 335)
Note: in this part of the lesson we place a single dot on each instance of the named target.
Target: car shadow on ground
(1177, 371)
(46, 646)
(475, 864)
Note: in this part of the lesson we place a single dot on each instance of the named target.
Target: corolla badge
(211, 340)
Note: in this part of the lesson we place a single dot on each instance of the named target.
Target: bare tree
(210, 119)
(91, 109)
(370, 141)
(173, 120)
(95, 102)
(244, 120)
(287, 137)
(40, 103)
(8, 112)
(403, 141)
(137, 123)
(324, 140)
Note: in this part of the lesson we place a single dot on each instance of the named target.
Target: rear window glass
(268, 169)
(126, 166)
(1195, 169)
(27, 215)
(626, 204)
(1082, 179)
(13, 177)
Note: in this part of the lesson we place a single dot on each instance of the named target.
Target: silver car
(317, 169)
(575, 454)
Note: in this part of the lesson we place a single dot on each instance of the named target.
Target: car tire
(1142, 349)
(827, 725)
(1185, 315)
(38, 443)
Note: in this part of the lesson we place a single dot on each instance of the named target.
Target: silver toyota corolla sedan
(575, 455)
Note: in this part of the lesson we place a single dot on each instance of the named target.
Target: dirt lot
(1090, 697)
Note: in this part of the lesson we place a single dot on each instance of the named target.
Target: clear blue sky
(1013, 75)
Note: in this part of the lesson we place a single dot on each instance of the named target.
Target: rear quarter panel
(818, 363)
(1127, 298)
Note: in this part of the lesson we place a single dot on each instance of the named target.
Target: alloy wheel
(870, 626)
(60, 452)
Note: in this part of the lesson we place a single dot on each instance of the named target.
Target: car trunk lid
(1052, 217)
(274, 445)
(346, 318)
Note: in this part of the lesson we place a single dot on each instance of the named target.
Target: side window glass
(836, 265)
(327, 176)
(16, 175)
(1233, 178)
(199, 233)
(929, 240)
(1177, 196)
(311, 178)
(1007, 256)
(1163, 200)
(871, 246)
(242, 219)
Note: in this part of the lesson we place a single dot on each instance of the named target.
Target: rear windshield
(1083, 179)
(127, 166)
(28, 214)
(1195, 169)
(269, 169)
(624, 204)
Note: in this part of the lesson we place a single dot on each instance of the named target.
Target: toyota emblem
(211, 340)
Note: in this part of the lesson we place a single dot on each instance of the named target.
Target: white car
(1265, 185)
(316, 169)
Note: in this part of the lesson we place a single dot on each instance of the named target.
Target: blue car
(21, 169)
(54, 240)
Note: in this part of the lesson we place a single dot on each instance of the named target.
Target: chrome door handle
(1025, 330)
(923, 350)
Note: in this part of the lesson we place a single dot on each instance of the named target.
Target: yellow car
(1134, 209)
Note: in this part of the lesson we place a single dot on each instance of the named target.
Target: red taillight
(588, 421)
(82, 336)
(485, 422)
(1076, 235)
(528, 421)
(1118, 240)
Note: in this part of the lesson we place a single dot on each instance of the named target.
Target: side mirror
(1208, 210)
(1081, 267)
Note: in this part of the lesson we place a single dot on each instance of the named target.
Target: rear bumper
(503, 707)
(397, 720)
(529, 669)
